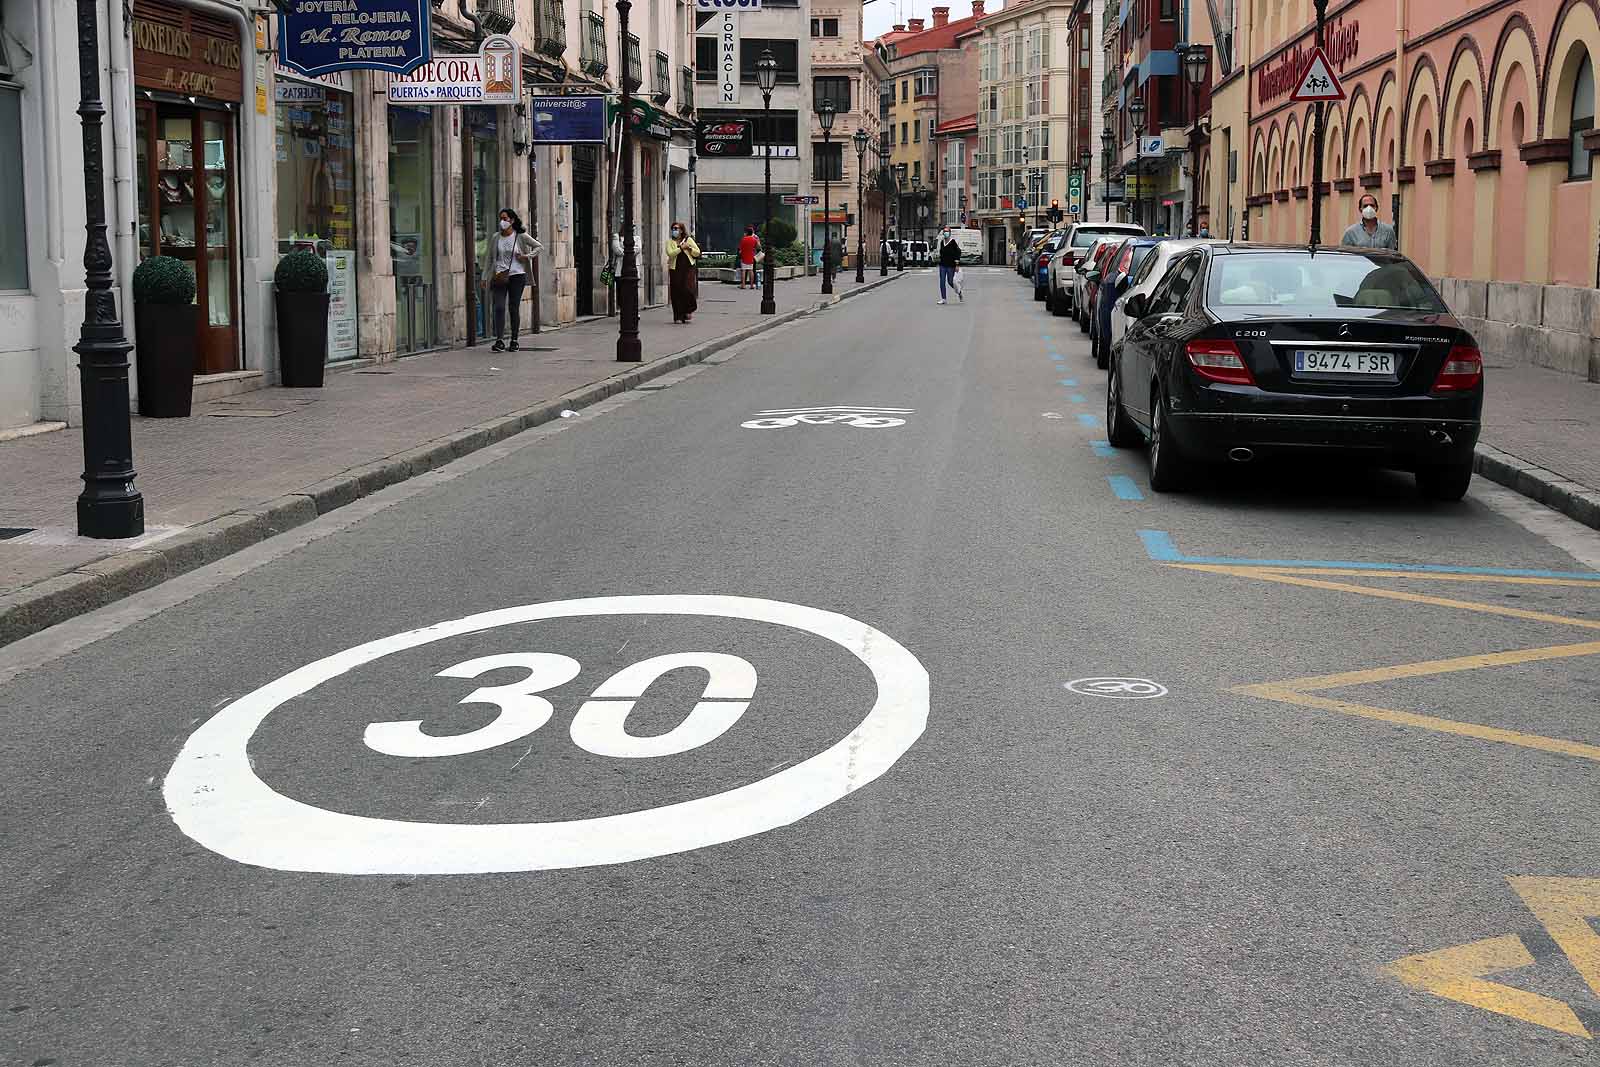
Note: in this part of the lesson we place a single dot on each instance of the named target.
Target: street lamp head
(825, 116)
(861, 142)
(1196, 61)
(1085, 158)
(767, 72)
(1136, 111)
(1107, 139)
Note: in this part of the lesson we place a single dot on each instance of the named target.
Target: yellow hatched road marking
(1376, 572)
(1457, 974)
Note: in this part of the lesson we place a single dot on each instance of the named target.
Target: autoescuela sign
(491, 76)
(318, 36)
(1279, 76)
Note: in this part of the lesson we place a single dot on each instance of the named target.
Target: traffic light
(1054, 214)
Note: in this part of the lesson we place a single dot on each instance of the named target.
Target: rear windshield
(1084, 238)
(1139, 254)
(1325, 280)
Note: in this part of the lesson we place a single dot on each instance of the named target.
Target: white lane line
(1572, 537)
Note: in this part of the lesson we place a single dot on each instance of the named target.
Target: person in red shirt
(748, 244)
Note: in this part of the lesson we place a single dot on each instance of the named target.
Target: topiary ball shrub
(791, 255)
(163, 280)
(301, 272)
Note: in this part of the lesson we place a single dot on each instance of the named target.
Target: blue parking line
(1069, 382)
(1077, 398)
(1123, 486)
(1159, 545)
(1103, 449)
(1091, 421)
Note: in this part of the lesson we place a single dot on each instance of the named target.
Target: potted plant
(164, 319)
(301, 282)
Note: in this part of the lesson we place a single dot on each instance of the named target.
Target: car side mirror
(1138, 306)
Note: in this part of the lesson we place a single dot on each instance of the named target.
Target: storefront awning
(1161, 63)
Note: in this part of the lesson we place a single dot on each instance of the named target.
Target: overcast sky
(881, 15)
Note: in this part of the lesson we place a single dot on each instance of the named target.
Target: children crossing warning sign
(1317, 81)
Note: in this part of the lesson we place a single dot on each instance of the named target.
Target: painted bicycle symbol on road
(1117, 688)
(859, 417)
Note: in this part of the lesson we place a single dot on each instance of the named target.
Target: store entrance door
(186, 210)
(585, 168)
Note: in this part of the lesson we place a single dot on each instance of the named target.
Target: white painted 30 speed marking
(1117, 688)
(214, 795)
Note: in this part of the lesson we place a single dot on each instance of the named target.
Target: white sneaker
(943, 301)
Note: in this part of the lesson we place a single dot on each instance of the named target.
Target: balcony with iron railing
(593, 56)
(550, 28)
(686, 90)
(497, 16)
(662, 91)
(633, 63)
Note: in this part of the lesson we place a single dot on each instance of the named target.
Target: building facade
(218, 156)
(1028, 125)
(932, 77)
(849, 76)
(728, 45)
(956, 156)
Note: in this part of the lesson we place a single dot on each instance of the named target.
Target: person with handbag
(506, 263)
(683, 286)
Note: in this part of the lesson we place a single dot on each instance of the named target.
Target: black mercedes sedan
(1245, 351)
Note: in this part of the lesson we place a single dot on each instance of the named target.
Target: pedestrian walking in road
(1369, 232)
(749, 246)
(949, 265)
(683, 286)
(506, 262)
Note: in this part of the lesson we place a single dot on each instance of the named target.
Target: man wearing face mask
(1369, 232)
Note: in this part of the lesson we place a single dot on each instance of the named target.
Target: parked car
(1029, 261)
(1145, 279)
(1126, 258)
(1080, 281)
(1064, 264)
(1041, 263)
(1094, 268)
(1243, 351)
(1029, 240)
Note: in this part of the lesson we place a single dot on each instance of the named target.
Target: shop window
(831, 90)
(411, 238)
(1582, 119)
(779, 129)
(786, 53)
(316, 194)
(13, 235)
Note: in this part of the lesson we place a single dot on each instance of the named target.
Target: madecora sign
(1279, 77)
(318, 36)
(491, 76)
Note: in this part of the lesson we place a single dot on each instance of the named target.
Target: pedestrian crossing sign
(1317, 81)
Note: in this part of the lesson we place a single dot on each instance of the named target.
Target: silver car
(1064, 276)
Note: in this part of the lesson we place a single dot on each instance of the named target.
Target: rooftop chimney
(977, 9)
(899, 27)
(914, 25)
(941, 16)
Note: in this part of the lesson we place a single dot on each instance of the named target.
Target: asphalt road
(937, 852)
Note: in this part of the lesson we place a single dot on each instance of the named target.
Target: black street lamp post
(1108, 141)
(1196, 61)
(1136, 112)
(767, 78)
(1316, 164)
(1085, 161)
(860, 139)
(109, 506)
(628, 348)
(825, 120)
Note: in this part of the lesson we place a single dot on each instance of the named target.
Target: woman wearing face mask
(1369, 232)
(683, 286)
(506, 263)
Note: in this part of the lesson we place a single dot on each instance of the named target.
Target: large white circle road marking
(215, 797)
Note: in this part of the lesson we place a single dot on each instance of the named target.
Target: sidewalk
(247, 466)
(1541, 437)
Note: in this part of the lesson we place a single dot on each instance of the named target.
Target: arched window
(1582, 119)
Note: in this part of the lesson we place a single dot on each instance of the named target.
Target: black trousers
(510, 296)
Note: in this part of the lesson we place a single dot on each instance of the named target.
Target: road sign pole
(1316, 166)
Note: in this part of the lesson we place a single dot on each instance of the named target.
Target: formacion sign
(319, 36)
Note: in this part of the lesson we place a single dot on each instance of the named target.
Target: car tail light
(1463, 369)
(1219, 361)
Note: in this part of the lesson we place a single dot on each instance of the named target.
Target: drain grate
(8, 532)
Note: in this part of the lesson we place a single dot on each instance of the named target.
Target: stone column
(375, 293)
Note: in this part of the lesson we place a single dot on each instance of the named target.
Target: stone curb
(44, 604)
(1534, 482)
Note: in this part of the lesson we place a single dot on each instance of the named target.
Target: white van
(971, 242)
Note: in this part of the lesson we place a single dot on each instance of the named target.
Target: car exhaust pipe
(1440, 437)
(1241, 455)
